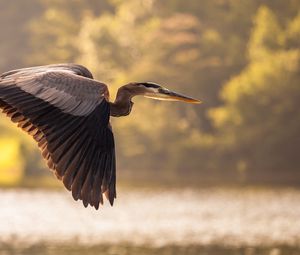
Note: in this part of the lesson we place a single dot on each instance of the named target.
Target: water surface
(155, 219)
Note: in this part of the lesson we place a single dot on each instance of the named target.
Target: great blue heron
(67, 113)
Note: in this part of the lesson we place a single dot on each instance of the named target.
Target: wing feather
(65, 111)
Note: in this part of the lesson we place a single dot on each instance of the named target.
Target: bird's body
(67, 112)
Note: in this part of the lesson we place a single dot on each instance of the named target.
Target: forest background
(241, 58)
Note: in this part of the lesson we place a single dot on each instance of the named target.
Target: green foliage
(260, 114)
(240, 57)
(15, 37)
(267, 35)
(55, 31)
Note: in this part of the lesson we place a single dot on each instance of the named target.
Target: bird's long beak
(167, 95)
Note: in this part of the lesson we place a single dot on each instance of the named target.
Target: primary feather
(67, 113)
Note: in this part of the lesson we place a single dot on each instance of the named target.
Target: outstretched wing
(67, 113)
(70, 68)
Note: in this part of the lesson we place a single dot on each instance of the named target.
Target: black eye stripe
(151, 85)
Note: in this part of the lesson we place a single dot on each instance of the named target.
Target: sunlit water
(229, 217)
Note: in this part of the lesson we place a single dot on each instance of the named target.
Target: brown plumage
(67, 112)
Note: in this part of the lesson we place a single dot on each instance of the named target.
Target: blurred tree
(14, 19)
(174, 43)
(260, 116)
(11, 163)
(248, 50)
(54, 33)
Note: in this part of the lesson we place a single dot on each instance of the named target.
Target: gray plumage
(67, 113)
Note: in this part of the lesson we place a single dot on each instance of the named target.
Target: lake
(208, 221)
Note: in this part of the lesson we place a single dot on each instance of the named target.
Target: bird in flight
(67, 113)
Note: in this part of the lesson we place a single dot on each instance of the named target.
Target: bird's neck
(123, 104)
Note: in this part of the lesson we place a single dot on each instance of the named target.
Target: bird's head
(155, 91)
